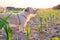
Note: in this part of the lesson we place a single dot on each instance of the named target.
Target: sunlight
(30, 3)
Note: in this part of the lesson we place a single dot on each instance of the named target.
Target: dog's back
(13, 19)
(24, 16)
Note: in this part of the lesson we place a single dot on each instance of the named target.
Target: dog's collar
(24, 16)
(18, 18)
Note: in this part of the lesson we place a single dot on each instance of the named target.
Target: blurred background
(44, 26)
(18, 5)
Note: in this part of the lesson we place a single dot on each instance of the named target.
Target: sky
(29, 3)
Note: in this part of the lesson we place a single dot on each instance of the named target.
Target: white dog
(21, 18)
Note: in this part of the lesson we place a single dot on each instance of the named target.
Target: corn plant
(55, 38)
(53, 15)
(39, 27)
(4, 24)
(50, 17)
(42, 20)
(41, 23)
(28, 31)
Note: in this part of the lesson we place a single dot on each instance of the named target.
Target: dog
(21, 18)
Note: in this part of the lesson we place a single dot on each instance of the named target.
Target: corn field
(44, 26)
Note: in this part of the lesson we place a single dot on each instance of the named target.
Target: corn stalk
(4, 24)
(28, 31)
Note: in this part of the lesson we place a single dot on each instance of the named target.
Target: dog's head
(30, 11)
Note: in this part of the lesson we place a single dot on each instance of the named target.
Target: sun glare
(30, 3)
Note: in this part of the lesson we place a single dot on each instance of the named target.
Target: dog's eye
(26, 10)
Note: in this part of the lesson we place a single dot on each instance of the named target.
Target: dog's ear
(27, 10)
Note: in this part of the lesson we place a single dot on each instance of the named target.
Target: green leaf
(39, 26)
(4, 24)
(28, 30)
(1, 24)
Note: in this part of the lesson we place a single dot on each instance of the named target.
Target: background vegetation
(46, 17)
